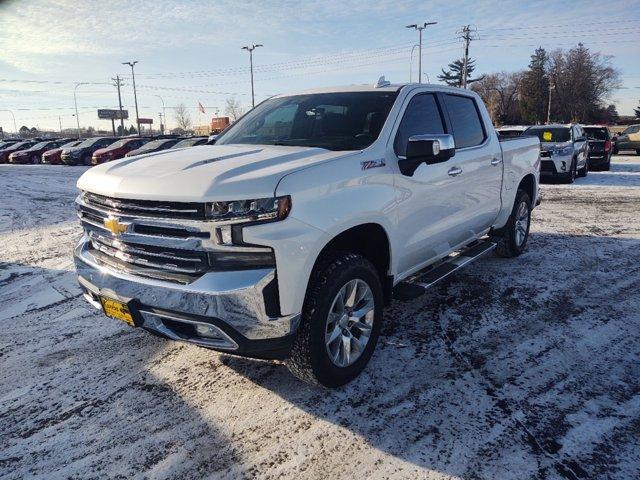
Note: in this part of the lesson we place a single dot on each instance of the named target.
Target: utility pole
(250, 49)
(419, 28)
(135, 96)
(466, 37)
(549, 103)
(161, 126)
(119, 84)
(60, 122)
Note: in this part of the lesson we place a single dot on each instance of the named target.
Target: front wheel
(570, 176)
(340, 323)
(584, 170)
(512, 238)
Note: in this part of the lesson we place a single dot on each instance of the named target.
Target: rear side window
(422, 117)
(465, 121)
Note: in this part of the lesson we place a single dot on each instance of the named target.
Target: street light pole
(75, 101)
(419, 28)
(15, 127)
(164, 111)
(411, 63)
(135, 96)
(250, 49)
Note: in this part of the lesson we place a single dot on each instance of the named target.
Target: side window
(422, 117)
(465, 121)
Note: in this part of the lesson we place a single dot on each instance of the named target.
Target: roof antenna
(382, 82)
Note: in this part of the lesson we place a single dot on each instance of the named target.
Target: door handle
(454, 171)
(495, 161)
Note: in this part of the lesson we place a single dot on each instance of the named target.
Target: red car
(34, 154)
(117, 150)
(53, 156)
(16, 147)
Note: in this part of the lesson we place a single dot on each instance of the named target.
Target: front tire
(512, 238)
(570, 177)
(584, 170)
(340, 323)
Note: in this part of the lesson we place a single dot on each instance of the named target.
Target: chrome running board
(419, 282)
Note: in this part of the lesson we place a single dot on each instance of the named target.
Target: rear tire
(512, 238)
(86, 160)
(312, 357)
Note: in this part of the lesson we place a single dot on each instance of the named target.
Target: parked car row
(91, 151)
(571, 150)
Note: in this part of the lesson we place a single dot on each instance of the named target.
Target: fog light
(204, 330)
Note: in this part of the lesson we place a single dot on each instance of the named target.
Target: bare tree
(501, 94)
(183, 119)
(233, 109)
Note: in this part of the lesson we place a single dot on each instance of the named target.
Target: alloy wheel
(521, 223)
(349, 323)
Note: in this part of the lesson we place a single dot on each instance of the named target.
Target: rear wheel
(512, 238)
(86, 160)
(340, 323)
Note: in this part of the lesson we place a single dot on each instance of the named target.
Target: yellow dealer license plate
(116, 309)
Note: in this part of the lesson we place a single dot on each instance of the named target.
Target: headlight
(244, 211)
(562, 151)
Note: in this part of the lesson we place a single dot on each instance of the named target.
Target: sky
(190, 52)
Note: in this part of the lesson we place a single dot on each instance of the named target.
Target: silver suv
(564, 150)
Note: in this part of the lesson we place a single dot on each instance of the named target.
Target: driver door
(430, 202)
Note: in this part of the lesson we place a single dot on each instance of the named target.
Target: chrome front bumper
(233, 302)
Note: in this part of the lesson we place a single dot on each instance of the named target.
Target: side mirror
(429, 149)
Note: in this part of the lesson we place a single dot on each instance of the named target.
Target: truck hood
(203, 173)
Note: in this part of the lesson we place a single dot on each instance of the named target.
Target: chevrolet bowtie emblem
(114, 226)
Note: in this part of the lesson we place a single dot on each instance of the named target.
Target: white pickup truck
(287, 237)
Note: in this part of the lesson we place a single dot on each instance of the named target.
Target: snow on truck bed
(525, 368)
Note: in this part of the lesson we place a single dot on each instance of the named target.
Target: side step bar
(419, 282)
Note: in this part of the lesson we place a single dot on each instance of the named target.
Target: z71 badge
(372, 164)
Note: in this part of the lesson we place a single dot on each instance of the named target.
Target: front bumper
(236, 306)
(555, 165)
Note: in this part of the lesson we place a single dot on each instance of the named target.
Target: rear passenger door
(479, 158)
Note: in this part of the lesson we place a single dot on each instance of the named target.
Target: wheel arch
(528, 184)
(372, 242)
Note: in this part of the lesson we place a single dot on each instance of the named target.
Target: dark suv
(600, 146)
(81, 155)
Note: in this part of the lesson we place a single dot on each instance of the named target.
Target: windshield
(187, 143)
(20, 146)
(596, 133)
(553, 134)
(71, 144)
(119, 143)
(335, 121)
(40, 145)
(90, 141)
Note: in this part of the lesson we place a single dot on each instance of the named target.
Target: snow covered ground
(513, 369)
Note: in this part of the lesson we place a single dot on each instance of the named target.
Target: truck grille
(118, 206)
(161, 240)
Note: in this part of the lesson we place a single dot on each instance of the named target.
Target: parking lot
(522, 368)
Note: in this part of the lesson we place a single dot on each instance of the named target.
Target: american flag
(201, 108)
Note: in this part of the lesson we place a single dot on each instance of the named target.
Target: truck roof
(393, 87)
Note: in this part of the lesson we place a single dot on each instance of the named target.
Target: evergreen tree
(132, 130)
(453, 76)
(637, 110)
(534, 91)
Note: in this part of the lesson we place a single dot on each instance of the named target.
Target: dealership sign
(145, 121)
(107, 114)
